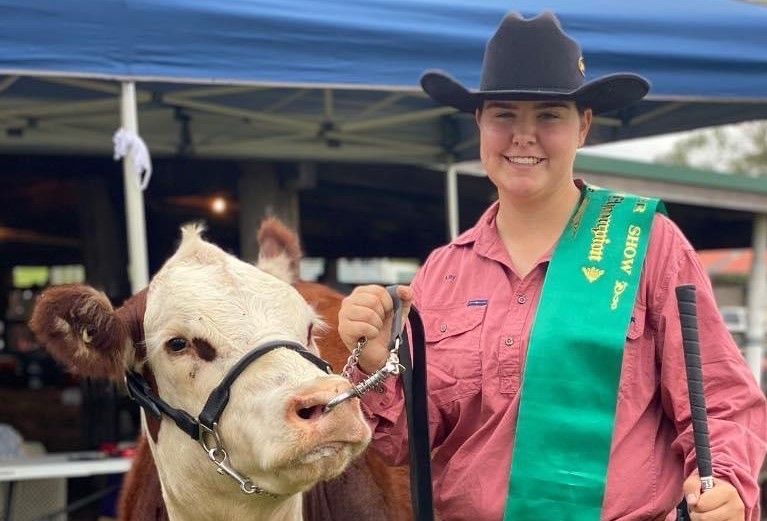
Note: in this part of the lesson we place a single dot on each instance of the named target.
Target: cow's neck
(212, 507)
(193, 490)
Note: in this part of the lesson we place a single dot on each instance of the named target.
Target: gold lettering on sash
(641, 205)
(602, 226)
(630, 249)
(592, 273)
(618, 290)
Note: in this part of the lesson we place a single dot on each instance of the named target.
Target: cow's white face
(205, 310)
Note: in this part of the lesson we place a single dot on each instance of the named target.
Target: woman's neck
(530, 227)
(534, 216)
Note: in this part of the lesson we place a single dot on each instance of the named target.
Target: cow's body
(202, 313)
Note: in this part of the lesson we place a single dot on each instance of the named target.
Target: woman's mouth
(524, 160)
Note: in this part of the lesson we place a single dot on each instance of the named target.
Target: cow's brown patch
(204, 350)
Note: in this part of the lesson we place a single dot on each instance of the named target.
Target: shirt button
(509, 341)
(443, 328)
(521, 299)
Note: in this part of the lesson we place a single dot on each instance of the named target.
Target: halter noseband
(204, 429)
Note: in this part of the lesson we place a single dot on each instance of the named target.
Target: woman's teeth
(529, 160)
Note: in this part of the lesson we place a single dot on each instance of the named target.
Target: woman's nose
(524, 132)
(523, 138)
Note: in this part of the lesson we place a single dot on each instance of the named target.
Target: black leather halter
(142, 393)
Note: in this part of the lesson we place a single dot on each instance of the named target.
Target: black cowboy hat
(535, 60)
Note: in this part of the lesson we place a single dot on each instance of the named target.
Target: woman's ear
(586, 117)
(478, 115)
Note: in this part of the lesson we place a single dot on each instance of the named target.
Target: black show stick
(688, 316)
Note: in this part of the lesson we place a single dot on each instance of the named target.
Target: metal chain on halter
(391, 367)
(354, 358)
(212, 444)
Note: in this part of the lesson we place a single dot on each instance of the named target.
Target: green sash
(573, 365)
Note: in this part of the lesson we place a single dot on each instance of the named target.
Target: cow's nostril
(309, 413)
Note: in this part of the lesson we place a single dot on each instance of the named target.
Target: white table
(59, 466)
(62, 465)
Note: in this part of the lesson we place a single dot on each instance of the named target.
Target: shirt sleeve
(737, 414)
(384, 408)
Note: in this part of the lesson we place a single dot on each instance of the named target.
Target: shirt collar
(485, 225)
(484, 234)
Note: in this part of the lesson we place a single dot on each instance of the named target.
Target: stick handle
(688, 316)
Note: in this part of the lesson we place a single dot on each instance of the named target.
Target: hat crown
(531, 55)
(535, 60)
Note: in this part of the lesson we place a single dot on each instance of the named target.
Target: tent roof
(688, 49)
(337, 80)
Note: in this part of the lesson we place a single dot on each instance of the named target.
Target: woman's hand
(721, 503)
(367, 314)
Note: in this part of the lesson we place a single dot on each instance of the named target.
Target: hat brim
(601, 95)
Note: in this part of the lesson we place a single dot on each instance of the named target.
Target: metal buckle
(205, 433)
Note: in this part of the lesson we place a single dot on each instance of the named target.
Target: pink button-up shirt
(477, 314)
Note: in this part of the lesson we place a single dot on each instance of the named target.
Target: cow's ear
(279, 250)
(79, 327)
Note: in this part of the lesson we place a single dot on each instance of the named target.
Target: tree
(737, 149)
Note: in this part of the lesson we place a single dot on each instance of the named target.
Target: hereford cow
(222, 352)
(369, 489)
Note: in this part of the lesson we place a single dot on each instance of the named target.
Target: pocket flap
(443, 323)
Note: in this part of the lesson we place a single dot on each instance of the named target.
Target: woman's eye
(549, 115)
(177, 344)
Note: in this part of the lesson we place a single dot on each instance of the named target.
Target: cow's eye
(177, 344)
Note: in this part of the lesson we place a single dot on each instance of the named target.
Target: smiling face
(528, 147)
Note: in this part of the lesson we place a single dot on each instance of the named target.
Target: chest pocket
(633, 357)
(453, 351)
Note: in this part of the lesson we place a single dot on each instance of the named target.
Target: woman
(553, 339)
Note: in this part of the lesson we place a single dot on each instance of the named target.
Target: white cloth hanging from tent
(127, 142)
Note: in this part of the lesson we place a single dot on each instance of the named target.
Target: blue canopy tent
(691, 50)
(323, 62)
(337, 80)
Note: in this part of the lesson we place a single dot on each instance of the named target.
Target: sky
(739, 140)
(643, 149)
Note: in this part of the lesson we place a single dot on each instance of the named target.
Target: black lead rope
(416, 406)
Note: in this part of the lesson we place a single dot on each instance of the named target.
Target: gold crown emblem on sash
(592, 273)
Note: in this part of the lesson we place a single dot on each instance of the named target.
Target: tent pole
(451, 195)
(757, 286)
(138, 270)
